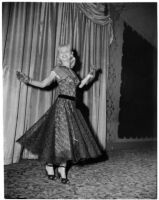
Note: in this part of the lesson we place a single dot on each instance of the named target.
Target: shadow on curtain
(31, 34)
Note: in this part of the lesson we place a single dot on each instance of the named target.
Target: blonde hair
(72, 58)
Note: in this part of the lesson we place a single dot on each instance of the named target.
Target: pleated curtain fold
(31, 33)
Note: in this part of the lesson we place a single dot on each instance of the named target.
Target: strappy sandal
(63, 180)
(50, 176)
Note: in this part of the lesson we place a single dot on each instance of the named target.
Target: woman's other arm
(88, 78)
(41, 84)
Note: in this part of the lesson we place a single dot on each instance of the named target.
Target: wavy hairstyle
(72, 58)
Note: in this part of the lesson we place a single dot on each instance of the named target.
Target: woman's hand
(93, 71)
(22, 77)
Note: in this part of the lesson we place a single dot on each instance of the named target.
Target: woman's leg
(50, 171)
(62, 169)
(62, 173)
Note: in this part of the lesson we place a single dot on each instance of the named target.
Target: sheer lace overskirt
(62, 134)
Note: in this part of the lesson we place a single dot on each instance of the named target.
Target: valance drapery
(93, 13)
(31, 33)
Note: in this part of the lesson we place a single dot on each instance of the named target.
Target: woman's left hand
(93, 71)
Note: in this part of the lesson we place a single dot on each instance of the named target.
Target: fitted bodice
(68, 81)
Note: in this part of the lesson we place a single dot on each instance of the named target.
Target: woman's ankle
(62, 171)
(49, 169)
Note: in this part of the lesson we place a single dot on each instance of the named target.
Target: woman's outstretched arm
(41, 84)
(90, 76)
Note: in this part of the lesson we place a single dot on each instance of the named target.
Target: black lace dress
(62, 134)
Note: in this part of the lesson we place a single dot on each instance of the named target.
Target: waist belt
(67, 97)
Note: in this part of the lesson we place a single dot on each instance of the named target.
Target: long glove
(22, 77)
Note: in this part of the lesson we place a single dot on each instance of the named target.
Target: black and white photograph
(79, 83)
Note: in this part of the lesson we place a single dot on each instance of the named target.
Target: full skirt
(61, 135)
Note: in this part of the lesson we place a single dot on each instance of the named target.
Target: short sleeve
(60, 72)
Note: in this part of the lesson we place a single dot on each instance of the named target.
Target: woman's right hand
(22, 77)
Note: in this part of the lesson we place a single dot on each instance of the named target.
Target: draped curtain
(31, 33)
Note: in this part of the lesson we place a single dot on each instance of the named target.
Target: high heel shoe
(63, 180)
(50, 176)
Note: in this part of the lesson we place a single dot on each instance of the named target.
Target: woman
(61, 134)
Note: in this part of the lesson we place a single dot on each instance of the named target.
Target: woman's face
(64, 54)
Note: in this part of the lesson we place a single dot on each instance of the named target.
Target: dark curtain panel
(138, 103)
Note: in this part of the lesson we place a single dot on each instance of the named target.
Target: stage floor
(129, 173)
